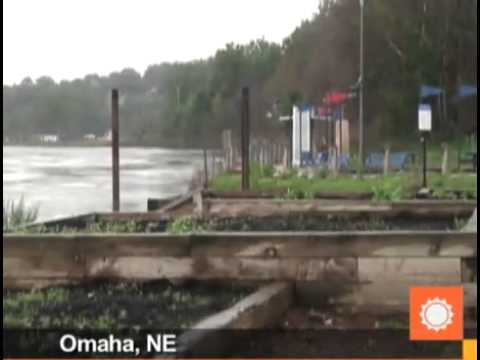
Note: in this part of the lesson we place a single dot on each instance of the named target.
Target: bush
(185, 225)
(17, 214)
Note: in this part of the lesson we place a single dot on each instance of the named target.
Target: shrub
(17, 214)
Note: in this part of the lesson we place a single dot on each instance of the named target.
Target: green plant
(186, 225)
(388, 192)
(17, 214)
(460, 224)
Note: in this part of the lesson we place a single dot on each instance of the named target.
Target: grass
(389, 188)
(17, 214)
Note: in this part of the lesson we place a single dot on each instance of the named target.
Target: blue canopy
(430, 91)
(467, 91)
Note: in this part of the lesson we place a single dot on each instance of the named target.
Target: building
(49, 138)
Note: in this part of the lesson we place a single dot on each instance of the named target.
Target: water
(65, 181)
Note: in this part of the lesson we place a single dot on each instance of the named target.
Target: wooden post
(205, 168)
(245, 145)
(386, 160)
(115, 152)
(286, 157)
(445, 159)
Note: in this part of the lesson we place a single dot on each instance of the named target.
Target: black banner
(224, 344)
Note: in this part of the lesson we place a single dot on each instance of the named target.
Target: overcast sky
(67, 39)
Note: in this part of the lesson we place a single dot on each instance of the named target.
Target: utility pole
(115, 152)
(361, 118)
(245, 142)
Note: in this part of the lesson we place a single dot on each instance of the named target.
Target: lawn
(393, 187)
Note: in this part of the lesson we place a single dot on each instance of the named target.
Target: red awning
(336, 98)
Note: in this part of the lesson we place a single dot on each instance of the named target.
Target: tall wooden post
(115, 152)
(245, 142)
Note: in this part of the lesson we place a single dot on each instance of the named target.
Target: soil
(293, 222)
(331, 223)
(327, 333)
(107, 306)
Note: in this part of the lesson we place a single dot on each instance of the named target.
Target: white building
(49, 138)
(89, 137)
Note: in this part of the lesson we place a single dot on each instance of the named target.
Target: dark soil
(293, 222)
(328, 333)
(107, 306)
(318, 223)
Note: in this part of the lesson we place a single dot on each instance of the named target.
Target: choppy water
(64, 181)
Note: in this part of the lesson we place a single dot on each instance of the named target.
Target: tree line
(408, 43)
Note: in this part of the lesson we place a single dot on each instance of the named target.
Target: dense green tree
(408, 43)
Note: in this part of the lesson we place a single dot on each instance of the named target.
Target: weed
(186, 225)
(17, 214)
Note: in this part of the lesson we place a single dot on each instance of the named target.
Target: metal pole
(361, 130)
(245, 138)
(115, 152)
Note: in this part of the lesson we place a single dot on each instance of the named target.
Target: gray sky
(67, 39)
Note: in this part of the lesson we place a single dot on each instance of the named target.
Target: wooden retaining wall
(204, 204)
(360, 269)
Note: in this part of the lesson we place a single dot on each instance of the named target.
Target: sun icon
(437, 315)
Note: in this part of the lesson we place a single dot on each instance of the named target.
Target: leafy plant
(17, 214)
(186, 225)
(388, 192)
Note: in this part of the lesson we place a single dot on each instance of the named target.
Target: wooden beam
(132, 216)
(261, 208)
(251, 244)
(212, 268)
(262, 310)
(335, 244)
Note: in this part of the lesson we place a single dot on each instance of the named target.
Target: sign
(296, 134)
(425, 118)
(306, 124)
(301, 133)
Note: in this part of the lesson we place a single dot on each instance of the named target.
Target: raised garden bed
(199, 214)
(368, 273)
(114, 306)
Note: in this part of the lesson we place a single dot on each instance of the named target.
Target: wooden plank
(385, 210)
(335, 244)
(384, 284)
(157, 204)
(179, 203)
(261, 310)
(42, 257)
(78, 221)
(71, 246)
(409, 270)
(42, 267)
(269, 208)
(65, 245)
(211, 268)
(117, 245)
(253, 244)
(132, 216)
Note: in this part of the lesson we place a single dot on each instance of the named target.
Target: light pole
(361, 115)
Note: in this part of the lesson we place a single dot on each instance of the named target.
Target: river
(63, 181)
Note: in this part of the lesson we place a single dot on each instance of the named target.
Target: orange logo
(436, 314)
